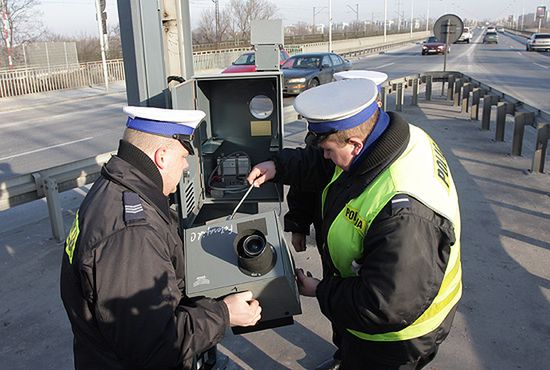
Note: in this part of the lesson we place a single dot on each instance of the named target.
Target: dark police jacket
(402, 243)
(122, 276)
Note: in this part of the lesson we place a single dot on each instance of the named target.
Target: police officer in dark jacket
(390, 227)
(122, 276)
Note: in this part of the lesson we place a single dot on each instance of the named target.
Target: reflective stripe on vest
(431, 184)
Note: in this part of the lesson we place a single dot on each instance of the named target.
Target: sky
(77, 17)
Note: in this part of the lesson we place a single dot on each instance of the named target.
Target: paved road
(502, 319)
(40, 131)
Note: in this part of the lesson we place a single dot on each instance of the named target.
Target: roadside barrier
(462, 90)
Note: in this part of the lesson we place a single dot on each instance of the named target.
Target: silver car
(538, 41)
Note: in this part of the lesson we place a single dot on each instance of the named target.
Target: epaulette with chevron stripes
(133, 209)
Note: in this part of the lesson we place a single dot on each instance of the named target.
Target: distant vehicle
(466, 36)
(538, 41)
(500, 29)
(490, 37)
(491, 29)
(247, 62)
(304, 71)
(433, 46)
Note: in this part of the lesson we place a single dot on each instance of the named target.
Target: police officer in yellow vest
(390, 226)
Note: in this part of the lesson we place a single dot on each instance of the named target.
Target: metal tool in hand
(241, 202)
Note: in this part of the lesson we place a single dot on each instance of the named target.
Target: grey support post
(543, 134)
(54, 209)
(486, 116)
(383, 97)
(475, 95)
(428, 87)
(399, 98)
(501, 121)
(458, 90)
(466, 88)
(450, 88)
(521, 119)
(414, 100)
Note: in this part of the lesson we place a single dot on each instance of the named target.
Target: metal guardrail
(465, 92)
(49, 183)
(32, 80)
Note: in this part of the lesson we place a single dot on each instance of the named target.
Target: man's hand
(299, 242)
(243, 309)
(307, 285)
(261, 173)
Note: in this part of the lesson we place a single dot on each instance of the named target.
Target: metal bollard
(54, 209)
(428, 87)
(486, 114)
(520, 120)
(399, 98)
(476, 97)
(466, 88)
(501, 121)
(414, 100)
(458, 90)
(543, 135)
(383, 97)
(450, 91)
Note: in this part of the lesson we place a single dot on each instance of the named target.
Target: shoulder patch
(400, 201)
(133, 209)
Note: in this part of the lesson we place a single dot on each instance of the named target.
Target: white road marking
(518, 53)
(46, 148)
(540, 65)
(384, 65)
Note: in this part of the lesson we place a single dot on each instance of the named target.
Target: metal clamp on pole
(543, 135)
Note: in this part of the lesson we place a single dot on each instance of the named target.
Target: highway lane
(65, 131)
(506, 66)
(43, 136)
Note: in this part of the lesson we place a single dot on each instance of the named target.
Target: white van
(466, 35)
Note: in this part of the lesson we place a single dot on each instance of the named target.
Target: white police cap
(338, 106)
(177, 124)
(378, 77)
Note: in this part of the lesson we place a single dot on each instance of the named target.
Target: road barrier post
(414, 100)
(450, 88)
(54, 209)
(501, 121)
(383, 97)
(466, 88)
(399, 98)
(474, 111)
(458, 89)
(428, 87)
(543, 135)
(520, 120)
(486, 115)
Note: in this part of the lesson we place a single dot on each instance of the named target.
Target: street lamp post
(412, 12)
(428, 17)
(330, 26)
(385, 18)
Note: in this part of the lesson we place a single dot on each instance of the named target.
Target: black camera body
(248, 253)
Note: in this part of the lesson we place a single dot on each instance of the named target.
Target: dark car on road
(490, 37)
(433, 46)
(304, 71)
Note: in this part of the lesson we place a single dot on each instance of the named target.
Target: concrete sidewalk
(503, 317)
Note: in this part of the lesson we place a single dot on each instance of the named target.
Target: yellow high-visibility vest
(421, 171)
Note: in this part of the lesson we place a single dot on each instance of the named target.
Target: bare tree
(23, 20)
(244, 11)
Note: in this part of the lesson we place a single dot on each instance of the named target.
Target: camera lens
(253, 245)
